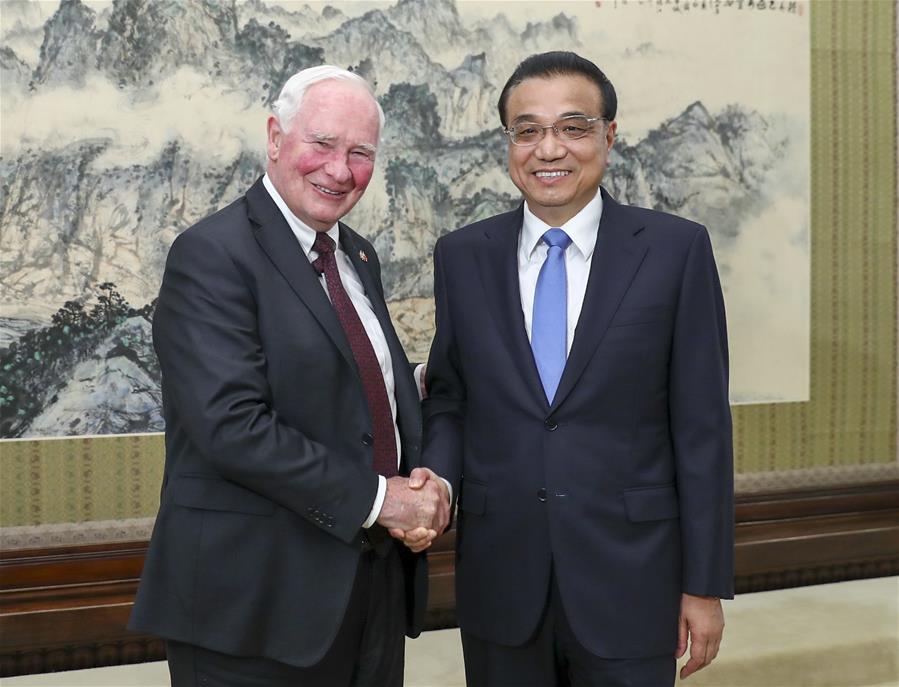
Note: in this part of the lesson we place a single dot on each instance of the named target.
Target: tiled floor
(835, 635)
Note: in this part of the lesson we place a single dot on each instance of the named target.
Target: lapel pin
(363, 256)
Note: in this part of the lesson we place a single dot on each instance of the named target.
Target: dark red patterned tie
(369, 370)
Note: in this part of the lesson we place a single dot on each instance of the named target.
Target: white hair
(290, 99)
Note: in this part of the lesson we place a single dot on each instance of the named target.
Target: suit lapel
(499, 272)
(616, 259)
(280, 245)
(404, 387)
(372, 289)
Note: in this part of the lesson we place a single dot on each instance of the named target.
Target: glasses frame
(555, 127)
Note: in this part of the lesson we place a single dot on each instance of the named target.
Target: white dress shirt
(583, 229)
(353, 286)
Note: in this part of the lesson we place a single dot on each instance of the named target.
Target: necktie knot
(557, 238)
(323, 243)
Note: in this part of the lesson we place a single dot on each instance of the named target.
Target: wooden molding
(66, 608)
(814, 536)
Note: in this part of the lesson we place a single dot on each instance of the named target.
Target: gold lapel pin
(363, 256)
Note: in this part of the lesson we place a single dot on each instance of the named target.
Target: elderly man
(578, 405)
(291, 413)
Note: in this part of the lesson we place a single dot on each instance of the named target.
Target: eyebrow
(528, 117)
(330, 138)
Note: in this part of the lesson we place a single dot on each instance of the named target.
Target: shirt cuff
(449, 488)
(419, 381)
(379, 503)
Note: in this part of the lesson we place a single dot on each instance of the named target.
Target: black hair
(560, 63)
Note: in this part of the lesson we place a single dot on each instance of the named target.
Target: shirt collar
(582, 228)
(304, 233)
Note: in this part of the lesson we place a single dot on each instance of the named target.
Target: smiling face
(323, 163)
(558, 177)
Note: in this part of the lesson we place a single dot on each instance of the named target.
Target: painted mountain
(125, 123)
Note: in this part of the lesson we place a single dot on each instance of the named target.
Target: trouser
(367, 651)
(555, 658)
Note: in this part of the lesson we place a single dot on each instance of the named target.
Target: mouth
(550, 177)
(329, 192)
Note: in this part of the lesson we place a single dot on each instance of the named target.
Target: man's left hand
(702, 618)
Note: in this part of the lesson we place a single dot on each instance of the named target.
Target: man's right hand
(408, 508)
(419, 517)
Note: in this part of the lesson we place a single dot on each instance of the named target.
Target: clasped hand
(416, 509)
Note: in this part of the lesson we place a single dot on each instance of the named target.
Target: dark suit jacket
(268, 469)
(624, 485)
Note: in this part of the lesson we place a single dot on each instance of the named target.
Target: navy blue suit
(623, 487)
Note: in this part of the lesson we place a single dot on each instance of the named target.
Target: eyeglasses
(570, 128)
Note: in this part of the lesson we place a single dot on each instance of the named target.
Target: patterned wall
(69, 491)
(846, 432)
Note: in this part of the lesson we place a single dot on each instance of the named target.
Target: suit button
(551, 425)
(368, 439)
(541, 495)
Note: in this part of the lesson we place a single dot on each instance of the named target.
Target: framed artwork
(772, 122)
(124, 123)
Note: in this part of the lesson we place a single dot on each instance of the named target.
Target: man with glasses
(578, 407)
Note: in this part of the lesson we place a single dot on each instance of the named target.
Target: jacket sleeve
(700, 423)
(444, 407)
(214, 377)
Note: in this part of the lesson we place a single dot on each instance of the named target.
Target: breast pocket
(629, 317)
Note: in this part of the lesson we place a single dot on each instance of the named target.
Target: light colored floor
(835, 635)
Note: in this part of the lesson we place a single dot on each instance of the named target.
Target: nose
(338, 170)
(550, 147)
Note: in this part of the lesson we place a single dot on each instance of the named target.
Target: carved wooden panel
(66, 608)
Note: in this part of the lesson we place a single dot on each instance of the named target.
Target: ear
(610, 135)
(275, 134)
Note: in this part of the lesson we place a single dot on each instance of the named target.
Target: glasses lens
(573, 127)
(526, 133)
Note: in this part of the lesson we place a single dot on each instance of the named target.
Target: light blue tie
(549, 326)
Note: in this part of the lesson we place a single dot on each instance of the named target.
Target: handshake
(416, 509)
